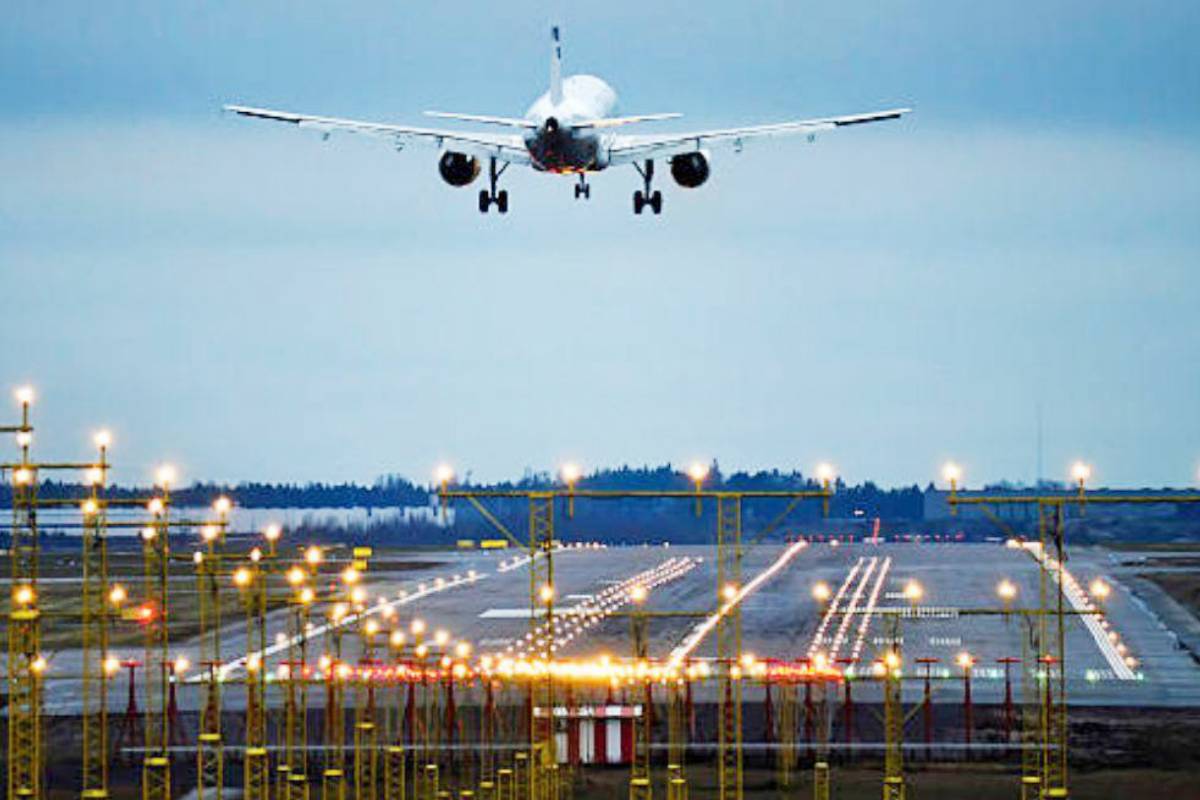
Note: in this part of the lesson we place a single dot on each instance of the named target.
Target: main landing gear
(583, 189)
(641, 198)
(489, 196)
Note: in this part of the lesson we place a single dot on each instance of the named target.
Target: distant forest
(853, 510)
(609, 520)
(394, 491)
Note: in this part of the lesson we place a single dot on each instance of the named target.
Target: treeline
(393, 491)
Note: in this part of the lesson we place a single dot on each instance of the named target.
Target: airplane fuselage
(556, 146)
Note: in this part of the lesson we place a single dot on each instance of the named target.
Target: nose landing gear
(583, 188)
(641, 198)
(489, 196)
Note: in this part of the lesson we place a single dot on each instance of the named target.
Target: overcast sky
(253, 303)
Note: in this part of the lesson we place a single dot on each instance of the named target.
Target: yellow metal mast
(210, 755)
(294, 771)
(25, 663)
(640, 787)
(541, 596)
(366, 735)
(677, 738)
(97, 670)
(333, 776)
(893, 716)
(729, 646)
(156, 763)
(256, 769)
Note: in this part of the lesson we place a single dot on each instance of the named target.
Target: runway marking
(587, 614)
(839, 638)
(819, 635)
(865, 624)
(702, 629)
(1096, 626)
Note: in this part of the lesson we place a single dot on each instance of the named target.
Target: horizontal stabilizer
(507, 122)
(614, 122)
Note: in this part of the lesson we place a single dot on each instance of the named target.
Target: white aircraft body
(572, 129)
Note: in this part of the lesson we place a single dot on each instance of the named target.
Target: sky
(249, 302)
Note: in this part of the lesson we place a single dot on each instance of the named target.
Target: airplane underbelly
(564, 153)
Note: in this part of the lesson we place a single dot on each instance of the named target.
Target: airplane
(570, 130)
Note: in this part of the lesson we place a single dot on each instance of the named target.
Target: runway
(482, 599)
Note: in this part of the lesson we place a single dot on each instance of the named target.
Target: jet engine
(458, 169)
(690, 169)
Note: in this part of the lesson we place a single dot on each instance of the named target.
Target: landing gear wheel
(490, 195)
(583, 189)
(646, 196)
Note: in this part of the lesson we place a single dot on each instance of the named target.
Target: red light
(145, 613)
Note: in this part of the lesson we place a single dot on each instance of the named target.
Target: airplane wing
(628, 149)
(507, 148)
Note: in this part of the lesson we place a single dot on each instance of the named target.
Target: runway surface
(482, 598)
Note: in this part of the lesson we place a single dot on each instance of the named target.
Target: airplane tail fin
(556, 90)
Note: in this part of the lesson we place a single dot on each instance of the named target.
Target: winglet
(556, 86)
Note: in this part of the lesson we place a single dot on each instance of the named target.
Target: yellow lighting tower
(333, 774)
(210, 754)
(366, 735)
(97, 665)
(542, 596)
(640, 787)
(677, 736)
(256, 769)
(729, 646)
(25, 662)
(156, 554)
(293, 772)
(893, 718)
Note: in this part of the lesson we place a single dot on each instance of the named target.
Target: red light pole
(927, 705)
